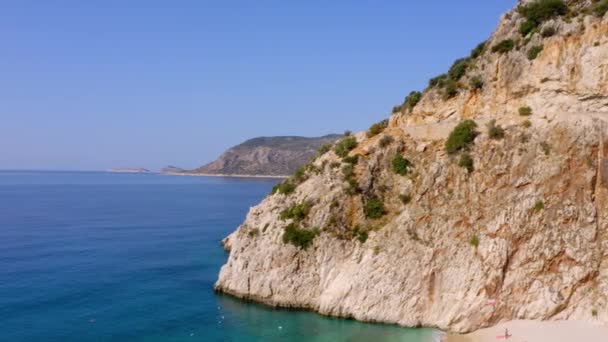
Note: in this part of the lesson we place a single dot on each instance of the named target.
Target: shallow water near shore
(94, 256)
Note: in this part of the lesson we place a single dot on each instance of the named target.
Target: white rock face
(523, 236)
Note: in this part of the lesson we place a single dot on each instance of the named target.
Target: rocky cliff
(482, 199)
(267, 156)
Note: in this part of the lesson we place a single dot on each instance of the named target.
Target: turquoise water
(88, 256)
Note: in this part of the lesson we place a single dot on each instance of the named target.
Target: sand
(533, 331)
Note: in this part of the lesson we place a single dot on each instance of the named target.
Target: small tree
(412, 100)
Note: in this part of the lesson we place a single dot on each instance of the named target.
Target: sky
(93, 85)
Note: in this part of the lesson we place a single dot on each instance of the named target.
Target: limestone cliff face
(267, 156)
(524, 235)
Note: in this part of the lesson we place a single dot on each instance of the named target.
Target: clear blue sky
(100, 84)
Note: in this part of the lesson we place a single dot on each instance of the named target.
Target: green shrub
(450, 89)
(347, 133)
(527, 27)
(474, 241)
(401, 165)
(351, 159)
(466, 162)
(478, 50)
(526, 124)
(376, 128)
(476, 83)
(438, 81)
(405, 198)
(299, 175)
(299, 237)
(362, 236)
(458, 69)
(412, 100)
(504, 46)
(534, 51)
(344, 146)
(297, 212)
(374, 208)
(253, 232)
(548, 31)
(600, 8)
(284, 188)
(495, 131)
(594, 312)
(462, 135)
(525, 111)
(540, 11)
(538, 206)
(324, 149)
(396, 109)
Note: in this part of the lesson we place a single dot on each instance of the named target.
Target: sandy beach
(533, 331)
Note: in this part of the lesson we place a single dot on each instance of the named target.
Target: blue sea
(93, 256)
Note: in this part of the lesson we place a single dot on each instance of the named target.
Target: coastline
(537, 331)
(220, 175)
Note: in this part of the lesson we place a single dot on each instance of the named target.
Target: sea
(97, 256)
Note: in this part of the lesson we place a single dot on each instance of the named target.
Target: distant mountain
(171, 169)
(130, 170)
(266, 156)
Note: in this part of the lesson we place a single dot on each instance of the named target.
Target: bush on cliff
(374, 208)
(478, 50)
(412, 100)
(495, 131)
(534, 52)
(299, 237)
(344, 146)
(504, 46)
(376, 128)
(466, 162)
(401, 165)
(297, 212)
(462, 135)
(600, 8)
(284, 188)
(540, 11)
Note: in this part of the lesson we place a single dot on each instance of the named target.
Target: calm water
(133, 257)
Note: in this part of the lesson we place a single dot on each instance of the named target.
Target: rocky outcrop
(523, 234)
(267, 156)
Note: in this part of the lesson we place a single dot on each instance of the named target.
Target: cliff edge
(482, 199)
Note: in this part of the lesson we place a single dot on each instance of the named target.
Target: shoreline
(219, 175)
(537, 331)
